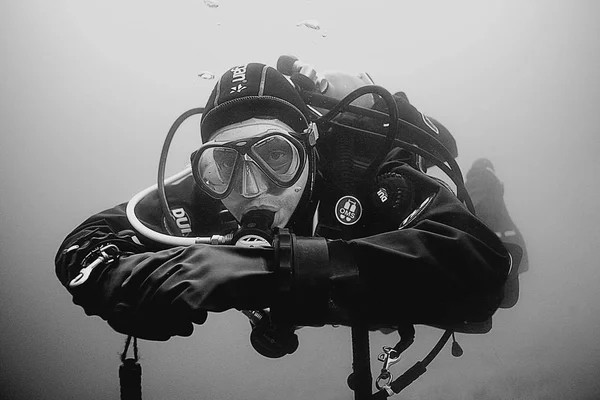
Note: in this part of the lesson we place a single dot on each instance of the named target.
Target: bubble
(310, 23)
(212, 3)
(324, 34)
(206, 75)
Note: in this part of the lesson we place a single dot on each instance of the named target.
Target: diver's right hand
(158, 295)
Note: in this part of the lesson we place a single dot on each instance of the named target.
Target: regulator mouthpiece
(255, 229)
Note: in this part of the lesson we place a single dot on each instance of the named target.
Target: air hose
(162, 164)
(393, 119)
(452, 170)
(415, 138)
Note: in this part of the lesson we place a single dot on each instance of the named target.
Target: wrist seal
(319, 282)
(303, 267)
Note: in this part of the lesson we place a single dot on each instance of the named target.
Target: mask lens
(279, 156)
(216, 166)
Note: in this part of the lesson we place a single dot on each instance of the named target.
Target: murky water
(91, 88)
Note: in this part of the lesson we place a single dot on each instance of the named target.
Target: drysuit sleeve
(155, 293)
(444, 267)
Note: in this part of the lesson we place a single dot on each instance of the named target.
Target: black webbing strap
(413, 372)
(361, 379)
(130, 373)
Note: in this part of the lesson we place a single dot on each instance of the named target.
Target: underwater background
(88, 91)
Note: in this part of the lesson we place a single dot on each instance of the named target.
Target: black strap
(361, 380)
(130, 373)
(415, 371)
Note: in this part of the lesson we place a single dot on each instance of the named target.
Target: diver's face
(253, 190)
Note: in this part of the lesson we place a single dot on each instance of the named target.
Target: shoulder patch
(348, 210)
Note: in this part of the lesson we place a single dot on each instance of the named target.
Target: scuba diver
(294, 215)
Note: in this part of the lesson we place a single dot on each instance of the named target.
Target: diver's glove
(159, 295)
(162, 294)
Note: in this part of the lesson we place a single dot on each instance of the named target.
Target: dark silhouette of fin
(487, 193)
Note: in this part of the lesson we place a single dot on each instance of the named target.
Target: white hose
(161, 237)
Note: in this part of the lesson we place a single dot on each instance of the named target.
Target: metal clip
(389, 357)
(108, 254)
(313, 134)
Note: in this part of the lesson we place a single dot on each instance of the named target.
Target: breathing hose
(393, 118)
(335, 107)
(161, 237)
(162, 164)
(452, 171)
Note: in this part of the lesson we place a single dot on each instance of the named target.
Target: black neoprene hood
(252, 90)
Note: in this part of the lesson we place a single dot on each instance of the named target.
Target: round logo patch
(348, 210)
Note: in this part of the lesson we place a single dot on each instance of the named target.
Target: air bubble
(212, 3)
(310, 23)
(206, 75)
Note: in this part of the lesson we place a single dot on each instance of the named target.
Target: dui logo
(348, 210)
(182, 219)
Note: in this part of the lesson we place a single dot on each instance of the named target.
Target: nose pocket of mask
(251, 180)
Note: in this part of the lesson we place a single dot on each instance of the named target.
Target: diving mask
(244, 163)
